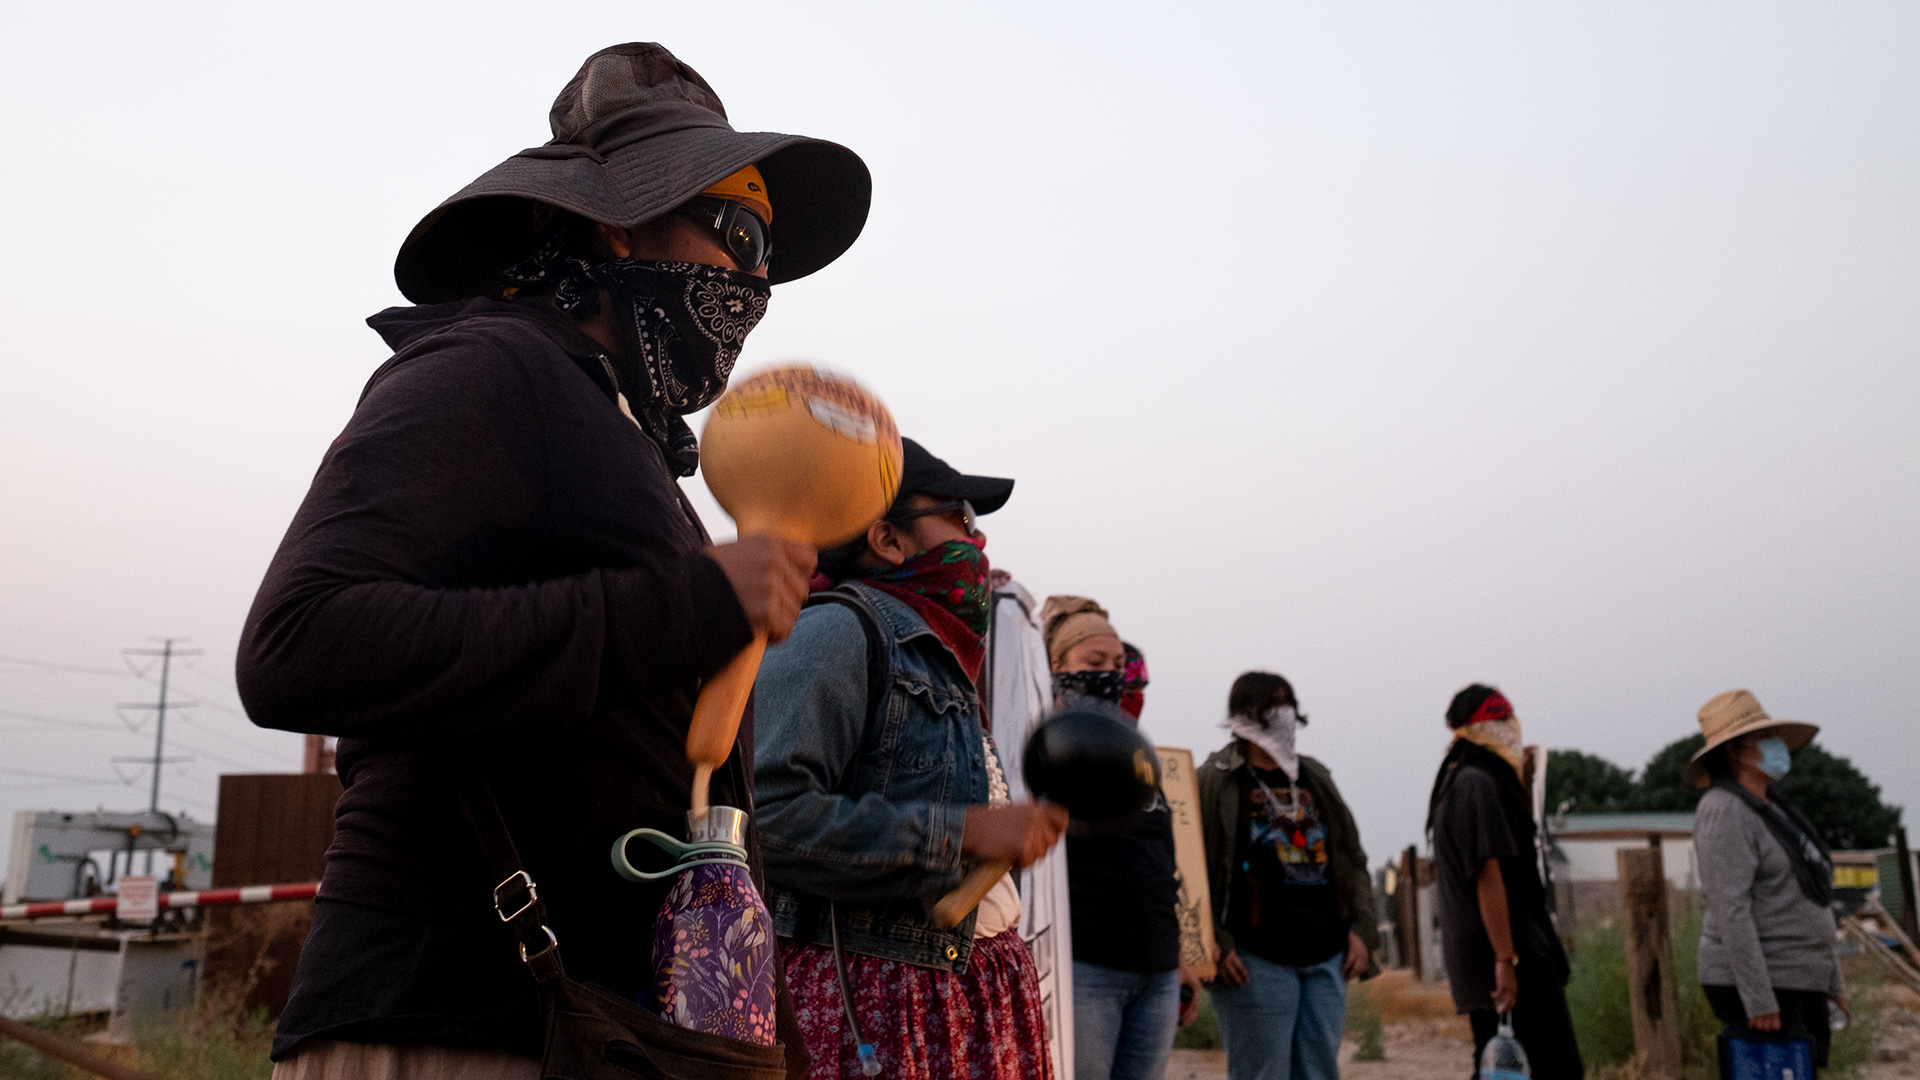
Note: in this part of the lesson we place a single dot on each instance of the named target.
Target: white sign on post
(139, 899)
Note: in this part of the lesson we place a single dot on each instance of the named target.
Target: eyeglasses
(747, 239)
(967, 516)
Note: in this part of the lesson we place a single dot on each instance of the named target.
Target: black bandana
(682, 326)
(1100, 685)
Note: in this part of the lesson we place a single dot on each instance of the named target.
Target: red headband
(1496, 707)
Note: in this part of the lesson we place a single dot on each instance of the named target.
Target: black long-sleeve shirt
(492, 559)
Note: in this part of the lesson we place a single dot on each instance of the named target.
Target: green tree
(1660, 787)
(1840, 801)
(1585, 784)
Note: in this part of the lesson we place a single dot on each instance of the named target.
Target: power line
(196, 669)
(195, 803)
(58, 721)
(239, 742)
(228, 709)
(189, 669)
(166, 653)
(79, 669)
(213, 756)
(68, 777)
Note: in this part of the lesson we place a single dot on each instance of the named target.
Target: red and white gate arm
(106, 905)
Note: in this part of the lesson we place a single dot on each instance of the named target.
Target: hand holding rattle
(798, 453)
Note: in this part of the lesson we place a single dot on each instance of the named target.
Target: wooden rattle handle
(972, 889)
(716, 717)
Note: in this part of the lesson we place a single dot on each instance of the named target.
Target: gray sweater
(1760, 930)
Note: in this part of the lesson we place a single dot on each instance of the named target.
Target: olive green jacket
(1219, 783)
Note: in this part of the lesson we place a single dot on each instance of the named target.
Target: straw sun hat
(1733, 714)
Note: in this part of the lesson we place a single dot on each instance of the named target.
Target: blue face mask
(1774, 759)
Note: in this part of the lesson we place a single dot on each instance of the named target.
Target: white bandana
(1500, 736)
(1274, 734)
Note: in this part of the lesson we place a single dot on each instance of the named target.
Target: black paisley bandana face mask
(681, 325)
(687, 323)
(1102, 685)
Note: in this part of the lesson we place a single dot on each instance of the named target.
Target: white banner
(1021, 698)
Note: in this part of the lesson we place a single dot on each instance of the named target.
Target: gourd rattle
(1095, 766)
(799, 453)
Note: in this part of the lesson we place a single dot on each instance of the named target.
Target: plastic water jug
(1504, 1058)
(1752, 1055)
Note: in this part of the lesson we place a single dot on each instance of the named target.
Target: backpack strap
(877, 670)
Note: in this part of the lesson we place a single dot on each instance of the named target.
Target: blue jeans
(1123, 1022)
(1285, 1023)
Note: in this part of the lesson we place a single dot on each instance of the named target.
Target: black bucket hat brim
(627, 170)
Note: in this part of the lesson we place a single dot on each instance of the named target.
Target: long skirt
(984, 1024)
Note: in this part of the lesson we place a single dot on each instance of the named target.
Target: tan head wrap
(1069, 620)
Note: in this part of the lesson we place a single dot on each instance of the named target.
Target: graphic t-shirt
(1283, 907)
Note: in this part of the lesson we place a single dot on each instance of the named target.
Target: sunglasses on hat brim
(968, 519)
(747, 239)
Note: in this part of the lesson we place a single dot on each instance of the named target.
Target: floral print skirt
(985, 1024)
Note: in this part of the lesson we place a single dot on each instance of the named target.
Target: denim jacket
(864, 803)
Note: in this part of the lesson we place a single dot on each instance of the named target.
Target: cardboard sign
(1182, 792)
(139, 899)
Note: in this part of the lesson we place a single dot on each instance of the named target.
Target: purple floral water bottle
(713, 947)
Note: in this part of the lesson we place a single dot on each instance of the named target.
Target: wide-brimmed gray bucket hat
(635, 134)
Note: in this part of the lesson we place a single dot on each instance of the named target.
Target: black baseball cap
(923, 474)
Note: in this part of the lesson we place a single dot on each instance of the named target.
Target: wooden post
(1410, 909)
(72, 1053)
(318, 757)
(1649, 943)
(1909, 903)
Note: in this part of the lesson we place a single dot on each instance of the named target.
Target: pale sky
(1393, 347)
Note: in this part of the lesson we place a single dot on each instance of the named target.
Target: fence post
(1410, 909)
(1649, 944)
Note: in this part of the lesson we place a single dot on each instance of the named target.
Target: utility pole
(166, 652)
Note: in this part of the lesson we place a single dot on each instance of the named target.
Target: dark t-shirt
(1124, 887)
(1470, 826)
(1284, 907)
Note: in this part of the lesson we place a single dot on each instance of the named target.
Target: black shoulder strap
(1806, 852)
(876, 649)
(516, 899)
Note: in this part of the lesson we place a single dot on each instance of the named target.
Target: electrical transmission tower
(166, 652)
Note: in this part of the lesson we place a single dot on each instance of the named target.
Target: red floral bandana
(947, 585)
(1134, 698)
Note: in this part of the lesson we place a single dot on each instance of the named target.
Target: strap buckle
(552, 944)
(533, 896)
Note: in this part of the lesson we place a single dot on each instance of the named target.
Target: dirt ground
(1416, 1050)
(1899, 1053)
(1425, 1041)
(1436, 1050)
